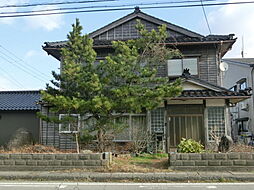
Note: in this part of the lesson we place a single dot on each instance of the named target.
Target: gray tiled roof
(209, 38)
(212, 91)
(19, 100)
(210, 94)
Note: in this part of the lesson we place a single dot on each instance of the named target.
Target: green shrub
(190, 146)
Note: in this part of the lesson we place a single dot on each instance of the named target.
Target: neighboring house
(203, 106)
(18, 110)
(239, 77)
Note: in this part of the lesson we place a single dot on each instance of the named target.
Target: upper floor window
(233, 89)
(176, 66)
(242, 84)
(70, 123)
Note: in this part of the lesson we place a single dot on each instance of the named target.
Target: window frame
(129, 122)
(69, 125)
(217, 130)
(182, 66)
(233, 88)
(241, 82)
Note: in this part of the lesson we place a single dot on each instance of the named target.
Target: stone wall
(212, 161)
(46, 162)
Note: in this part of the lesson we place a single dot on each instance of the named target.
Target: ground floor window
(137, 126)
(216, 122)
(157, 120)
(70, 123)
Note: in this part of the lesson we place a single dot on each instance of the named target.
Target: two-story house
(238, 77)
(203, 106)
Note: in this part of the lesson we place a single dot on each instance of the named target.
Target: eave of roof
(249, 62)
(203, 83)
(53, 48)
(233, 97)
(170, 40)
(211, 91)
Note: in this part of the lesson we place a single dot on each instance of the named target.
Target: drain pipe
(219, 60)
(252, 86)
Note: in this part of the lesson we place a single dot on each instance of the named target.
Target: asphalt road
(124, 186)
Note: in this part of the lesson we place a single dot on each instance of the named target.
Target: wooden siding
(207, 61)
(128, 31)
(50, 134)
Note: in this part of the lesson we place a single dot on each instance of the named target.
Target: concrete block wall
(212, 161)
(31, 162)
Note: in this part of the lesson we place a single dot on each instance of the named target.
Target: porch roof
(206, 90)
(233, 97)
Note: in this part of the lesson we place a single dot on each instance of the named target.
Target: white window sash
(175, 67)
(191, 64)
(69, 130)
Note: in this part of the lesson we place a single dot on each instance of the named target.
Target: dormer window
(177, 66)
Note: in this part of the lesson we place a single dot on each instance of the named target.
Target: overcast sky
(24, 65)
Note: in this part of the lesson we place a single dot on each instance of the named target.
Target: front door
(185, 121)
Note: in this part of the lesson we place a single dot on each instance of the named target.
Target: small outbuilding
(18, 110)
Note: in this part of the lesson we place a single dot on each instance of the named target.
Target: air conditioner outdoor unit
(244, 106)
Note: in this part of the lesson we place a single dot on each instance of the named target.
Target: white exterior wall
(234, 73)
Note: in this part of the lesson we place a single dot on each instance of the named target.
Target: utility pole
(242, 52)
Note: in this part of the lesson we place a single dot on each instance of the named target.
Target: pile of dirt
(37, 148)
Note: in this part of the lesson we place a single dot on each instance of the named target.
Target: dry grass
(143, 164)
(122, 163)
(241, 148)
(139, 164)
(35, 149)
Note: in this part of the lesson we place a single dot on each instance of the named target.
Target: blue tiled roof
(19, 100)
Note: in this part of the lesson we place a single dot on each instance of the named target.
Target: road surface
(123, 186)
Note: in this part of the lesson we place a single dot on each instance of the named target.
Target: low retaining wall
(212, 161)
(31, 162)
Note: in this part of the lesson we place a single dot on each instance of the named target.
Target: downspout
(219, 60)
(228, 126)
(252, 86)
(252, 80)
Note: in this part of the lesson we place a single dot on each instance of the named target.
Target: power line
(31, 68)
(127, 8)
(56, 3)
(207, 23)
(21, 68)
(103, 6)
(11, 79)
(14, 62)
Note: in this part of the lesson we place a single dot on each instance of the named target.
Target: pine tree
(125, 82)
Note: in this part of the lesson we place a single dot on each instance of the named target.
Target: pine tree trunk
(100, 138)
(77, 143)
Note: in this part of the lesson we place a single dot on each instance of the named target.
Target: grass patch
(142, 163)
(143, 157)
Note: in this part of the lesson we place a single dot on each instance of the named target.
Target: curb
(134, 177)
